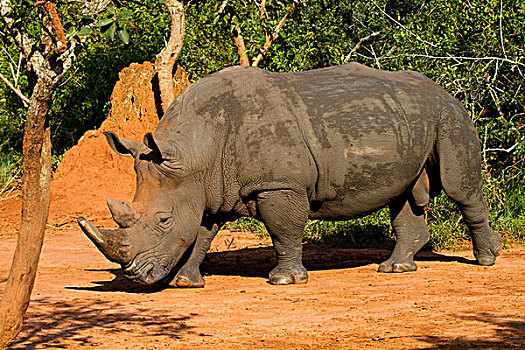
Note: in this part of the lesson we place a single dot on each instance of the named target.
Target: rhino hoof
(296, 277)
(397, 267)
(189, 278)
(184, 282)
(486, 260)
(487, 256)
(282, 279)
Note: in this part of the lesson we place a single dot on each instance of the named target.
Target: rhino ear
(122, 146)
(162, 150)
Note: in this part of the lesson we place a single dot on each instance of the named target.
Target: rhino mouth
(147, 269)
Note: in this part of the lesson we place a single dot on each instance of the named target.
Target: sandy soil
(82, 301)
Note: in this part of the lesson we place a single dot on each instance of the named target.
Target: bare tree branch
(25, 100)
(501, 27)
(223, 6)
(56, 24)
(375, 57)
(271, 39)
(11, 63)
(238, 39)
(262, 6)
(489, 58)
(362, 40)
(506, 150)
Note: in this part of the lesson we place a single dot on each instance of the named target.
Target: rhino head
(162, 222)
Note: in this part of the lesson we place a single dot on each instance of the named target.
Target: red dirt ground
(82, 301)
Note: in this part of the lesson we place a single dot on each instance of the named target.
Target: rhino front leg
(189, 276)
(411, 229)
(285, 212)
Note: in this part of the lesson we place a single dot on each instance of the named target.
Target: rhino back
(347, 134)
(370, 132)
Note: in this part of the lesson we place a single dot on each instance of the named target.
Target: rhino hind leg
(460, 170)
(486, 243)
(284, 213)
(189, 276)
(408, 221)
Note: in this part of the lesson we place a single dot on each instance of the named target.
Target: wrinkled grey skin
(333, 144)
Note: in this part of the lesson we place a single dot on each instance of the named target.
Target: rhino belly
(357, 201)
(368, 172)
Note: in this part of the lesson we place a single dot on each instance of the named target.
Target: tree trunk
(165, 60)
(35, 210)
(238, 39)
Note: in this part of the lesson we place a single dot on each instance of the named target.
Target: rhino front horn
(109, 242)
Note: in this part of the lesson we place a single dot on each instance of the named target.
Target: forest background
(474, 49)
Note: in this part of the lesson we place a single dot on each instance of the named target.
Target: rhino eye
(163, 219)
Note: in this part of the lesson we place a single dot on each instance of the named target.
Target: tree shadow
(60, 324)
(510, 334)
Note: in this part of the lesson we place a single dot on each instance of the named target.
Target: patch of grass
(352, 233)
(372, 230)
(10, 172)
(248, 225)
(447, 230)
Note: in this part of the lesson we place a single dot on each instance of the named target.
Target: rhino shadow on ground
(55, 323)
(258, 262)
(121, 284)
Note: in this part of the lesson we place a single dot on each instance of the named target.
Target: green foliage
(474, 49)
(372, 229)
(248, 224)
(115, 23)
(368, 231)
(82, 102)
(10, 174)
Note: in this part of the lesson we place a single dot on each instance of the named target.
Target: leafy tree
(48, 49)
(47, 53)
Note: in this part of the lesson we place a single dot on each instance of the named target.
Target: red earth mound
(91, 172)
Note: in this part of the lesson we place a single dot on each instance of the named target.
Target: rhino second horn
(124, 214)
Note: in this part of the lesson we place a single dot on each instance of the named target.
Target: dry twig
(362, 40)
(271, 39)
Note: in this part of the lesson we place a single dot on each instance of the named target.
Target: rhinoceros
(334, 143)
